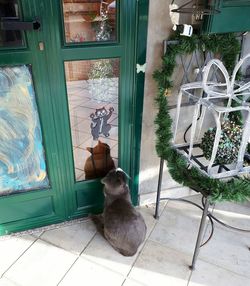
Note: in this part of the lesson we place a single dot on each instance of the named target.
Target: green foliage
(227, 46)
(229, 143)
(224, 44)
(101, 69)
(236, 116)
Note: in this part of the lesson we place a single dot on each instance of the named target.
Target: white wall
(159, 28)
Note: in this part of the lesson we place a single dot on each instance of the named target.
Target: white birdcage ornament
(215, 98)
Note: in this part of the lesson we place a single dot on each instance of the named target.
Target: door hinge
(141, 68)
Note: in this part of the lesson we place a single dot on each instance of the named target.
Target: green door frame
(141, 49)
(76, 199)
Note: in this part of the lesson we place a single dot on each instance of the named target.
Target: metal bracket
(141, 68)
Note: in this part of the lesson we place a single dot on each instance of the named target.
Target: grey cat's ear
(120, 170)
(103, 180)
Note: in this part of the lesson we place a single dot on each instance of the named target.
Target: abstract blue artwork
(22, 158)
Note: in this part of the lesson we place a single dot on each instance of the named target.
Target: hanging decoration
(237, 189)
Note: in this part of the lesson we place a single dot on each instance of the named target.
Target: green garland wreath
(237, 189)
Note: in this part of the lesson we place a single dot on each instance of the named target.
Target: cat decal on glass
(99, 124)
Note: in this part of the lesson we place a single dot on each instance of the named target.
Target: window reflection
(89, 21)
(92, 88)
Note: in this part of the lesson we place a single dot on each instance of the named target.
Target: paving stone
(42, 264)
(86, 272)
(73, 238)
(159, 265)
(11, 248)
(207, 274)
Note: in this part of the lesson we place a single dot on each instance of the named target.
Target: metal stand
(203, 219)
(156, 216)
(200, 233)
(205, 214)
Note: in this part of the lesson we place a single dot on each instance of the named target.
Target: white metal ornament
(215, 99)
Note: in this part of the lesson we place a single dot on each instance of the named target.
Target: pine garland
(237, 189)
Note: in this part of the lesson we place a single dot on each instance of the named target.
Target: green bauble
(229, 143)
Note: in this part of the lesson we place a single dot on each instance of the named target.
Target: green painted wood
(14, 58)
(29, 223)
(235, 3)
(67, 199)
(83, 53)
(34, 208)
(22, 210)
(141, 43)
(87, 195)
(234, 17)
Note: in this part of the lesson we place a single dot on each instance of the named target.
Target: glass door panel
(92, 89)
(89, 21)
(22, 160)
(10, 11)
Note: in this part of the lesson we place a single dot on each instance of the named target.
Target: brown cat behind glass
(99, 163)
(123, 226)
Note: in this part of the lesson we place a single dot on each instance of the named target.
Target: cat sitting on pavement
(121, 224)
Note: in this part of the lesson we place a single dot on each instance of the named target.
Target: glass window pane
(9, 11)
(89, 20)
(92, 88)
(22, 160)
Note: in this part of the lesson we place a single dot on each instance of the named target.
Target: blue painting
(22, 158)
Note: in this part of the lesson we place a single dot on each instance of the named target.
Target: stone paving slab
(72, 253)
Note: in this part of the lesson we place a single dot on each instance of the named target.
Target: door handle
(16, 25)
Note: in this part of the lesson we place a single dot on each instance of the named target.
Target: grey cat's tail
(98, 222)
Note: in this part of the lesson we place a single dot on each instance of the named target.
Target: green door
(69, 111)
(233, 17)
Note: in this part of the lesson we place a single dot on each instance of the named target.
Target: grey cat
(122, 225)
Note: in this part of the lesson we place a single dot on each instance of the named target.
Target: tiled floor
(74, 254)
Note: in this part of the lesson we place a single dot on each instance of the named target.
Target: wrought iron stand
(200, 233)
(203, 219)
(205, 214)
